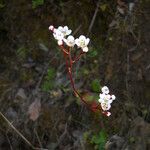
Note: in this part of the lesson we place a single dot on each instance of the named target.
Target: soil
(49, 115)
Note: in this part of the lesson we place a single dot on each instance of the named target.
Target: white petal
(108, 114)
(105, 106)
(60, 42)
(101, 95)
(107, 97)
(85, 49)
(109, 106)
(68, 32)
(77, 42)
(65, 40)
(113, 97)
(70, 38)
(55, 30)
(87, 41)
(82, 37)
(60, 28)
(55, 36)
(110, 101)
(105, 90)
(100, 100)
(51, 27)
(65, 28)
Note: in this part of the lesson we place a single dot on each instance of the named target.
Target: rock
(114, 143)
(21, 94)
(137, 137)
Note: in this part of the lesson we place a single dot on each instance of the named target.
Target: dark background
(33, 77)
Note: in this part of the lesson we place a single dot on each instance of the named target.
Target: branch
(20, 134)
(78, 57)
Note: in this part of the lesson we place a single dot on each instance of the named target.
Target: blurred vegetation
(96, 85)
(48, 83)
(99, 140)
(25, 35)
(36, 3)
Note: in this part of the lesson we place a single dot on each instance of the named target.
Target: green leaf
(21, 52)
(103, 7)
(46, 86)
(92, 53)
(50, 74)
(103, 139)
(95, 85)
(36, 3)
(99, 140)
(2, 4)
(48, 83)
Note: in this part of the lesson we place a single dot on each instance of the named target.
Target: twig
(78, 57)
(69, 69)
(94, 17)
(9, 142)
(20, 134)
(43, 73)
(78, 28)
(62, 136)
(38, 138)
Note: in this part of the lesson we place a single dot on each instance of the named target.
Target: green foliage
(95, 85)
(48, 83)
(2, 4)
(103, 7)
(86, 135)
(92, 53)
(22, 53)
(99, 140)
(36, 3)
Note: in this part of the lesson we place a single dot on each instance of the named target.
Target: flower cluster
(61, 33)
(106, 99)
(66, 41)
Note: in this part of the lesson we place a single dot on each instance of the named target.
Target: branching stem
(69, 62)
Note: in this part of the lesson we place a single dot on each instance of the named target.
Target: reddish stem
(64, 50)
(69, 68)
(67, 57)
(78, 57)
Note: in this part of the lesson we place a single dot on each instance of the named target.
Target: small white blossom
(105, 106)
(105, 90)
(51, 27)
(106, 99)
(82, 42)
(108, 114)
(64, 30)
(58, 36)
(70, 41)
(60, 42)
(113, 97)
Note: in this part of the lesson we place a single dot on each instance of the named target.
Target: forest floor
(35, 92)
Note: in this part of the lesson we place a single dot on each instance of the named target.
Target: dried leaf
(136, 56)
(103, 7)
(34, 110)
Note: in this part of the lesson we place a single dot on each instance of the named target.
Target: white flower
(51, 27)
(58, 36)
(64, 30)
(105, 106)
(113, 97)
(106, 99)
(105, 90)
(82, 42)
(108, 114)
(70, 41)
